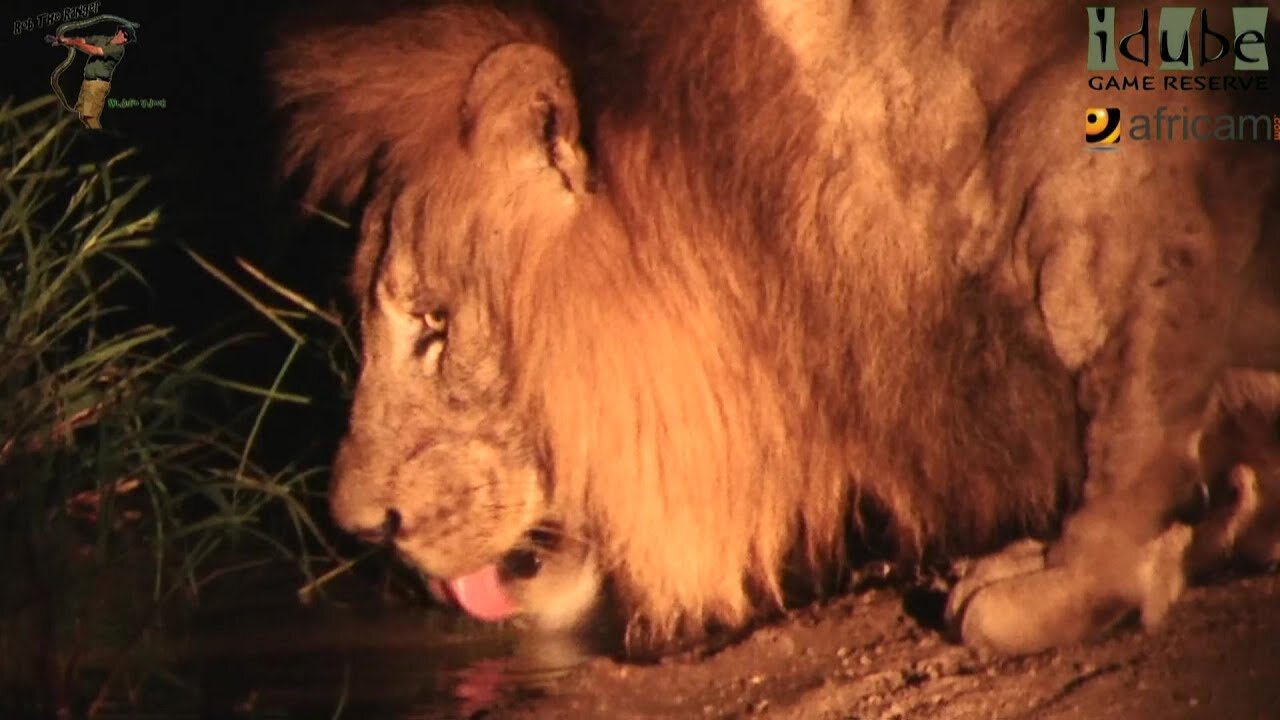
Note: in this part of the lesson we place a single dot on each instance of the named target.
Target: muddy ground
(864, 657)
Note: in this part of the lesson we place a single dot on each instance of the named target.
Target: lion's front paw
(1162, 574)
(1013, 603)
(1010, 602)
(1020, 558)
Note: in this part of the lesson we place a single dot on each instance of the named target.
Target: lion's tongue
(481, 594)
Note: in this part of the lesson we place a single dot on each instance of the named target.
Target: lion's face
(439, 462)
(441, 459)
(430, 440)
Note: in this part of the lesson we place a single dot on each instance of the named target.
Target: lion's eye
(437, 320)
(435, 331)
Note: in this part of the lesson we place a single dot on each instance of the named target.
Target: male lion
(666, 301)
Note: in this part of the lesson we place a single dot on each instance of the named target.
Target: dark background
(210, 150)
(211, 156)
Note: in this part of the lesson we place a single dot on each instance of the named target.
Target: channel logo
(1102, 128)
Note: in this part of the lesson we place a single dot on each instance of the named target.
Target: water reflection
(424, 665)
(490, 684)
(535, 663)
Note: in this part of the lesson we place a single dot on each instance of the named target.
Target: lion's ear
(519, 110)
(382, 99)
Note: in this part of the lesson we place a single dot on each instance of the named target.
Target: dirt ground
(865, 658)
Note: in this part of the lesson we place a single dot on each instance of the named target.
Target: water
(420, 665)
(289, 661)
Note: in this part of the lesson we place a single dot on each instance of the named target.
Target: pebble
(786, 644)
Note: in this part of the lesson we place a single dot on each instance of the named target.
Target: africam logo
(1103, 131)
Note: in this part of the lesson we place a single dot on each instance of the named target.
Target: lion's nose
(383, 532)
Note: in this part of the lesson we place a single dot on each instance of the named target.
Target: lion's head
(443, 453)
(545, 400)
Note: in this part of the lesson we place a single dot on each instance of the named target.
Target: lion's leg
(1255, 338)
(1120, 552)
(1242, 532)
(989, 606)
(1147, 390)
(1096, 576)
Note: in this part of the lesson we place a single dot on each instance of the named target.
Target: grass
(124, 490)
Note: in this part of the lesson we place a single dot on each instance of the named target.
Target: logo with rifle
(103, 55)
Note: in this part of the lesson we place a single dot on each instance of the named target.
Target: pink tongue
(481, 594)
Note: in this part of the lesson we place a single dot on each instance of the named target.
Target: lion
(666, 305)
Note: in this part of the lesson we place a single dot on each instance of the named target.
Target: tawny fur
(728, 316)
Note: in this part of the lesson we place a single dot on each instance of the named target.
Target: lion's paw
(1010, 602)
(1013, 603)
(1161, 574)
(1020, 558)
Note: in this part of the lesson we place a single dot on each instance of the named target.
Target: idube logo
(1193, 49)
